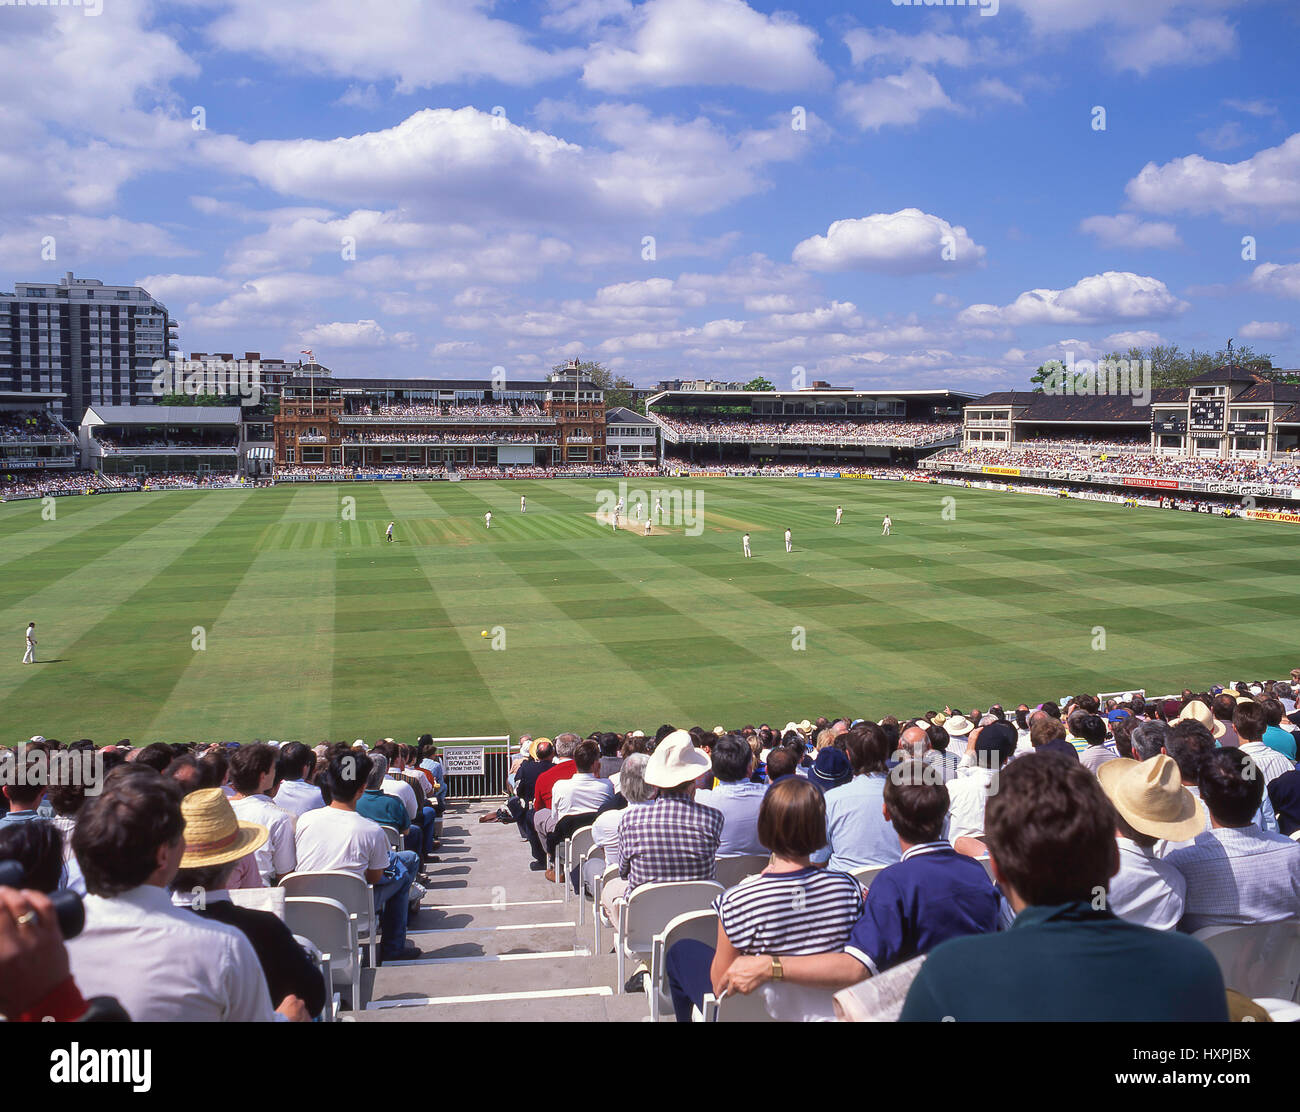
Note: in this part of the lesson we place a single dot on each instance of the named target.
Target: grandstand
(817, 425)
(1230, 432)
(32, 438)
(129, 440)
(441, 424)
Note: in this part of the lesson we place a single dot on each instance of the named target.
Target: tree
(759, 383)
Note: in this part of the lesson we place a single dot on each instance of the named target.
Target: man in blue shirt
(735, 797)
(1051, 836)
(857, 832)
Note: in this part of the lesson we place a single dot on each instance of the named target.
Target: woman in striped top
(791, 907)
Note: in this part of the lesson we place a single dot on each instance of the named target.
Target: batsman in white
(886, 525)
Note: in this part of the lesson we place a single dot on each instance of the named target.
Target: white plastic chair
(771, 1003)
(260, 899)
(352, 891)
(573, 847)
(331, 929)
(1258, 960)
(1295, 835)
(732, 870)
(865, 875)
(702, 926)
(649, 909)
(592, 853)
(598, 912)
(394, 837)
(988, 867)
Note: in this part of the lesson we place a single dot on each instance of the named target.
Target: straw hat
(1196, 711)
(958, 725)
(805, 726)
(1151, 798)
(213, 833)
(537, 741)
(675, 761)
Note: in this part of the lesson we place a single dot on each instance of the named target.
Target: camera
(68, 907)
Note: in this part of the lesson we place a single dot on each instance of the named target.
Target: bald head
(914, 741)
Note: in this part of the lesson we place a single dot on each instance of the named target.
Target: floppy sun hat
(214, 835)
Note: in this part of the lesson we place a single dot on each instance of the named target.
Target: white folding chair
(771, 1003)
(597, 911)
(576, 848)
(591, 853)
(988, 866)
(331, 929)
(1258, 960)
(260, 899)
(865, 875)
(352, 891)
(732, 870)
(649, 909)
(394, 837)
(699, 925)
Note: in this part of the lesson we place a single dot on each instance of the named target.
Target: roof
(619, 415)
(704, 395)
(1227, 373)
(324, 382)
(1098, 408)
(163, 415)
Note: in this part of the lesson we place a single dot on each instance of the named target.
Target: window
(335, 454)
(288, 455)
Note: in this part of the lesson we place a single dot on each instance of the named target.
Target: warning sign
(464, 760)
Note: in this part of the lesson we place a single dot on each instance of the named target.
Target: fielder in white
(745, 541)
(839, 514)
(887, 524)
(487, 518)
(29, 657)
(789, 547)
(659, 508)
(389, 531)
(523, 504)
(647, 527)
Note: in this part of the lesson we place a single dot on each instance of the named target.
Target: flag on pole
(308, 353)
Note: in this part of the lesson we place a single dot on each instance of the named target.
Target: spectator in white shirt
(336, 837)
(162, 963)
(967, 795)
(252, 772)
(294, 792)
(1152, 805)
(582, 794)
(1236, 873)
(1250, 723)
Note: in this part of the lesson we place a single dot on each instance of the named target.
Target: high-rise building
(93, 344)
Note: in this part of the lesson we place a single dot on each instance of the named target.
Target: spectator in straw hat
(672, 837)
(1152, 806)
(201, 885)
(160, 962)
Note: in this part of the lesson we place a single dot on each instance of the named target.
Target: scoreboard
(1208, 414)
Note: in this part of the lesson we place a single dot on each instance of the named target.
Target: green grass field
(317, 629)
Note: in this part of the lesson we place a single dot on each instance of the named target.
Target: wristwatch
(777, 972)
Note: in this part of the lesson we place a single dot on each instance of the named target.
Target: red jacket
(561, 770)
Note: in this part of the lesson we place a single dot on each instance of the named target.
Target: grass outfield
(318, 629)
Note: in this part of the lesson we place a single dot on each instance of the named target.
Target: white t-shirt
(404, 792)
(331, 838)
(277, 856)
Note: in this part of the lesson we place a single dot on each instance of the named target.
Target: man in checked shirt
(672, 837)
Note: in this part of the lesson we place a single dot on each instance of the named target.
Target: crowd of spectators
(1107, 830)
(157, 824)
(37, 484)
(434, 411)
(1196, 469)
(437, 436)
(200, 438)
(748, 430)
(25, 426)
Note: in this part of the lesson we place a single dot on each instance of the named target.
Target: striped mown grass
(283, 614)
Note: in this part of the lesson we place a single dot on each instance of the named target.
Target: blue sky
(441, 187)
